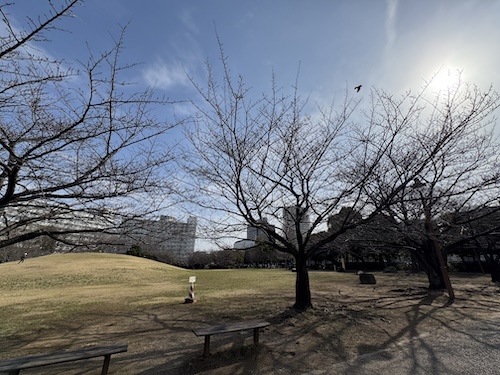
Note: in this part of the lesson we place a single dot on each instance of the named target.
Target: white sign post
(190, 298)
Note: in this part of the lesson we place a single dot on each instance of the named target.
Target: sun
(446, 79)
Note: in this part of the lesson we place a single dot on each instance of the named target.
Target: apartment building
(166, 235)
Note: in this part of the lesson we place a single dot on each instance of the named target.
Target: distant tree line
(257, 256)
(471, 238)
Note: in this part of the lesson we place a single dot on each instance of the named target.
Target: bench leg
(256, 336)
(206, 350)
(105, 365)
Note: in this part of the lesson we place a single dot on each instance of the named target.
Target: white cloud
(390, 23)
(164, 76)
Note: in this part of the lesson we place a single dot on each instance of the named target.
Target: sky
(393, 45)
(338, 44)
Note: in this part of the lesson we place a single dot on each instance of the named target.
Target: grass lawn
(71, 300)
(48, 289)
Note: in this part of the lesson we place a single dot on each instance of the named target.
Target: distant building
(291, 216)
(79, 230)
(73, 227)
(164, 236)
(255, 234)
(258, 233)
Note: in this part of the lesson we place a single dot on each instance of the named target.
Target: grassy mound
(62, 287)
(57, 287)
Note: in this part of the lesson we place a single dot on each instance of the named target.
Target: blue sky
(389, 44)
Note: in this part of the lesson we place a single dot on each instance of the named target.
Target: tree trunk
(429, 263)
(495, 272)
(435, 277)
(302, 290)
(415, 265)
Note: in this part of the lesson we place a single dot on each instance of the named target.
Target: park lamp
(418, 186)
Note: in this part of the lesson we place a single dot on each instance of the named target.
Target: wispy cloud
(390, 23)
(165, 76)
(187, 19)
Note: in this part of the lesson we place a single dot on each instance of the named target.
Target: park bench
(230, 327)
(14, 365)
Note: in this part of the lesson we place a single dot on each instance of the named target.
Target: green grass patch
(46, 290)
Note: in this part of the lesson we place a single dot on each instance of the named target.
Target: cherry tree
(77, 145)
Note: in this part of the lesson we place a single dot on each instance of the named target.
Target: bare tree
(78, 149)
(449, 145)
(266, 158)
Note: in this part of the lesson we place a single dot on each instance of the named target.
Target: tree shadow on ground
(371, 323)
(414, 342)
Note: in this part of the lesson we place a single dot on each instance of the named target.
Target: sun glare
(446, 79)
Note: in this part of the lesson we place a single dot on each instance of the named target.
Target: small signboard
(192, 279)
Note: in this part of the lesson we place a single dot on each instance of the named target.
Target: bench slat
(39, 360)
(230, 327)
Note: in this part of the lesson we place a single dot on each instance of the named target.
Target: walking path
(474, 350)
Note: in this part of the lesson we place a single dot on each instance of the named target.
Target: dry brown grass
(67, 301)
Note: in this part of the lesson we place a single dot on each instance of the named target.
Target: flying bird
(357, 88)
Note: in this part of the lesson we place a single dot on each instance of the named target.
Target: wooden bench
(14, 365)
(230, 327)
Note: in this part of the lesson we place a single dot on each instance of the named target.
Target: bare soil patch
(346, 322)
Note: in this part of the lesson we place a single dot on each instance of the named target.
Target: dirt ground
(346, 322)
